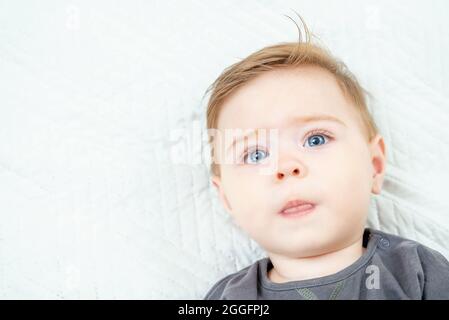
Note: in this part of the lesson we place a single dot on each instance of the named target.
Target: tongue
(298, 208)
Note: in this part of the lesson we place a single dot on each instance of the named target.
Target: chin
(295, 251)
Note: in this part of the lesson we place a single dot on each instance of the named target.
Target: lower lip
(298, 211)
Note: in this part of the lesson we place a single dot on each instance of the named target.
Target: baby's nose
(293, 171)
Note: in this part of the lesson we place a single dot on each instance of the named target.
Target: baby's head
(326, 150)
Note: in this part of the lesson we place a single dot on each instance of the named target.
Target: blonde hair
(279, 56)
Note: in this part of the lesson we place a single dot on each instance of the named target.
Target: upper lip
(295, 203)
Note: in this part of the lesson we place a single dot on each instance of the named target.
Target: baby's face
(329, 163)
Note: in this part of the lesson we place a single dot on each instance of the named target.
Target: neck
(293, 269)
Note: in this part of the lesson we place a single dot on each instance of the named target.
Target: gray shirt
(391, 268)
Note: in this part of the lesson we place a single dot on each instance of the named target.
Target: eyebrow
(295, 120)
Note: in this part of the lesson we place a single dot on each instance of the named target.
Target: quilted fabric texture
(104, 190)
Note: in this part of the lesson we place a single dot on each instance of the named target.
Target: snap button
(384, 242)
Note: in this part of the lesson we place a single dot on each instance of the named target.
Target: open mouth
(297, 208)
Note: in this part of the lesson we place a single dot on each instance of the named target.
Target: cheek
(242, 191)
(246, 196)
(249, 199)
(347, 178)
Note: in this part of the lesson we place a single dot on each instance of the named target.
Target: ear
(379, 161)
(217, 182)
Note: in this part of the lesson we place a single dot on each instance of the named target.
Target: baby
(296, 157)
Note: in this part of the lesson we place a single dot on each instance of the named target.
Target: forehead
(275, 97)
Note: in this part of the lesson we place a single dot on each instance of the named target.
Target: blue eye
(316, 140)
(255, 155)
